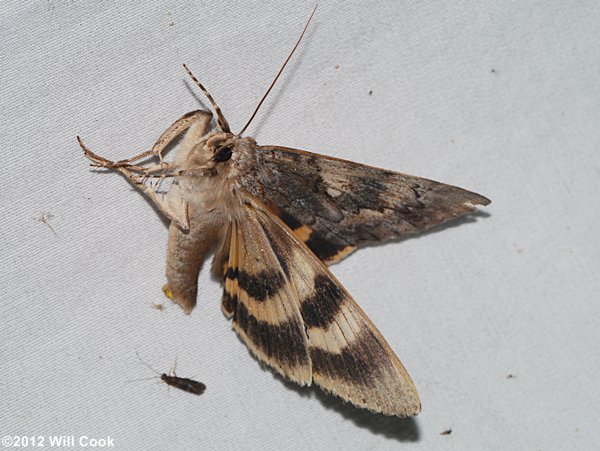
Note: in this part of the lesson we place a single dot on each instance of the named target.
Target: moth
(182, 383)
(276, 218)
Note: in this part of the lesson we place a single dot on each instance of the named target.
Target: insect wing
(334, 205)
(344, 353)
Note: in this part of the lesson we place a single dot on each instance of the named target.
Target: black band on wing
(283, 342)
(325, 302)
(360, 363)
(259, 286)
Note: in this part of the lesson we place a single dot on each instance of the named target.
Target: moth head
(218, 152)
(220, 147)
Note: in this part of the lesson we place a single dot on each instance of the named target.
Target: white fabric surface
(499, 97)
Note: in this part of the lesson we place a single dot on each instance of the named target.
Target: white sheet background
(499, 97)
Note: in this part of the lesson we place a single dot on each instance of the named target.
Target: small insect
(45, 218)
(156, 306)
(182, 383)
(446, 432)
(277, 217)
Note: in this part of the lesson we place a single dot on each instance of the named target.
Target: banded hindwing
(335, 205)
(262, 303)
(346, 352)
(223, 260)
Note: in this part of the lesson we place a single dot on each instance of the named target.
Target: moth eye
(223, 153)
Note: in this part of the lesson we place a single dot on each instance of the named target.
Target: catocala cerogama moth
(277, 217)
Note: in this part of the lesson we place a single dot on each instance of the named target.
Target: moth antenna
(142, 379)
(148, 366)
(279, 73)
(174, 367)
(220, 117)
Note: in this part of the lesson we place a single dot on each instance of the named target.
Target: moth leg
(174, 367)
(174, 209)
(202, 117)
(101, 162)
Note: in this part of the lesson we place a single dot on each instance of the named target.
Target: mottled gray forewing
(335, 205)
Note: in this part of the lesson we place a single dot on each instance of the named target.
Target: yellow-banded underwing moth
(277, 217)
(182, 383)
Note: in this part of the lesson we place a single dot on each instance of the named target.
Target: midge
(277, 217)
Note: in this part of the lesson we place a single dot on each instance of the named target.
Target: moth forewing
(181, 383)
(336, 205)
(184, 384)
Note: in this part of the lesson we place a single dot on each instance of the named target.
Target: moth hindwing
(277, 217)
